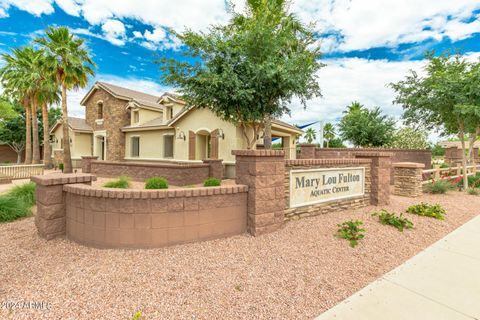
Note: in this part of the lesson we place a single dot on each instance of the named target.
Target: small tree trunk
(67, 158)
(47, 154)
(267, 133)
(464, 158)
(19, 157)
(28, 135)
(36, 141)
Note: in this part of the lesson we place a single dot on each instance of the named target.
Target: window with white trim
(135, 147)
(168, 146)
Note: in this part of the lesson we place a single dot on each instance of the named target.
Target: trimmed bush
(120, 183)
(428, 210)
(351, 230)
(439, 187)
(212, 182)
(391, 219)
(156, 183)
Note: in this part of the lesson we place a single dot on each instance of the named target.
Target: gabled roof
(76, 124)
(121, 93)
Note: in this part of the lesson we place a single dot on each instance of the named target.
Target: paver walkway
(441, 282)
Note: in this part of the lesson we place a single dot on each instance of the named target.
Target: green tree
(68, 57)
(438, 151)
(334, 143)
(446, 98)
(409, 138)
(310, 135)
(12, 131)
(366, 128)
(248, 71)
(328, 132)
(7, 110)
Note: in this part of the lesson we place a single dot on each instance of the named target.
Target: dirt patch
(295, 273)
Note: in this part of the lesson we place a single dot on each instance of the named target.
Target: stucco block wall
(8, 155)
(115, 117)
(151, 144)
(330, 206)
(153, 218)
(176, 174)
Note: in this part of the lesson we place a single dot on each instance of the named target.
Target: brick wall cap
(301, 162)
(374, 154)
(259, 153)
(151, 164)
(84, 189)
(90, 157)
(212, 160)
(308, 145)
(63, 178)
(408, 165)
(374, 149)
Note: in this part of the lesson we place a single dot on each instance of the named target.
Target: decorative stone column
(307, 151)
(216, 168)
(408, 179)
(380, 171)
(87, 163)
(263, 171)
(50, 218)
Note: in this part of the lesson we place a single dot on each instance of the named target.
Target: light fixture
(181, 135)
(221, 134)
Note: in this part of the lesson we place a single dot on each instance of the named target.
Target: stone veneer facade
(330, 206)
(115, 117)
(408, 179)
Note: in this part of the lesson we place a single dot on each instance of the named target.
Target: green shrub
(399, 222)
(438, 187)
(428, 210)
(473, 191)
(24, 192)
(121, 183)
(60, 167)
(444, 165)
(351, 231)
(212, 182)
(12, 208)
(156, 183)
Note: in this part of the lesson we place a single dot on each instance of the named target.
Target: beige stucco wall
(151, 144)
(204, 120)
(145, 115)
(81, 142)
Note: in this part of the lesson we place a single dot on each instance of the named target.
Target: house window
(100, 110)
(169, 113)
(168, 146)
(135, 147)
(136, 118)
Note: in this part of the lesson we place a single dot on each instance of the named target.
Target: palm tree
(18, 79)
(48, 94)
(310, 135)
(71, 61)
(328, 132)
(355, 106)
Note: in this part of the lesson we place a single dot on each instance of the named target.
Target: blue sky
(366, 43)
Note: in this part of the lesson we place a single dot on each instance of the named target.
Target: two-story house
(127, 125)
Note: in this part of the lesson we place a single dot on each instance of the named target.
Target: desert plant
(12, 208)
(428, 210)
(60, 167)
(351, 230)
(137, 315)
(212, 182)
(156, 183)
(121, 183)
(473, 191)
(391, 219)
(25, 193)
(438, 187)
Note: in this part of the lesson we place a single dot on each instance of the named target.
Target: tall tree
(366, 128)
(71, 61)
(12, 130)
(409, 138)
(310, 135)
(248, 71)
(328, 132)
(446, 98)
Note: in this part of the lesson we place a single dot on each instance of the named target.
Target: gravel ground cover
(295, 273)
(141, 184)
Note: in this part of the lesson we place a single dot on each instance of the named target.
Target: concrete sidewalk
(441, 282)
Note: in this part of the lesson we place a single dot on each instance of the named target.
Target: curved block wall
(153, 218)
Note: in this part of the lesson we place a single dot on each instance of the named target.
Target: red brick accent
(263, 172)
(50, 217)
(380, 171)
(87, 163)
(307, 151)
(216, 168)
(153, 218)
(179, 174)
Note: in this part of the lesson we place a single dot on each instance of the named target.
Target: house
(126, 125)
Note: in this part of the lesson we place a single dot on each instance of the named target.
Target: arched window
(100, 110)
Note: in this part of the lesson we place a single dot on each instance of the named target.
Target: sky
(366, 44)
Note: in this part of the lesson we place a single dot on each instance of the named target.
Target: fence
(22, 171)
(447, 173)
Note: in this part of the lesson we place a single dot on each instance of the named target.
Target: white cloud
(71, 7)
(156, 36)
(37, 7)
(137, 34)
(114, 31)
